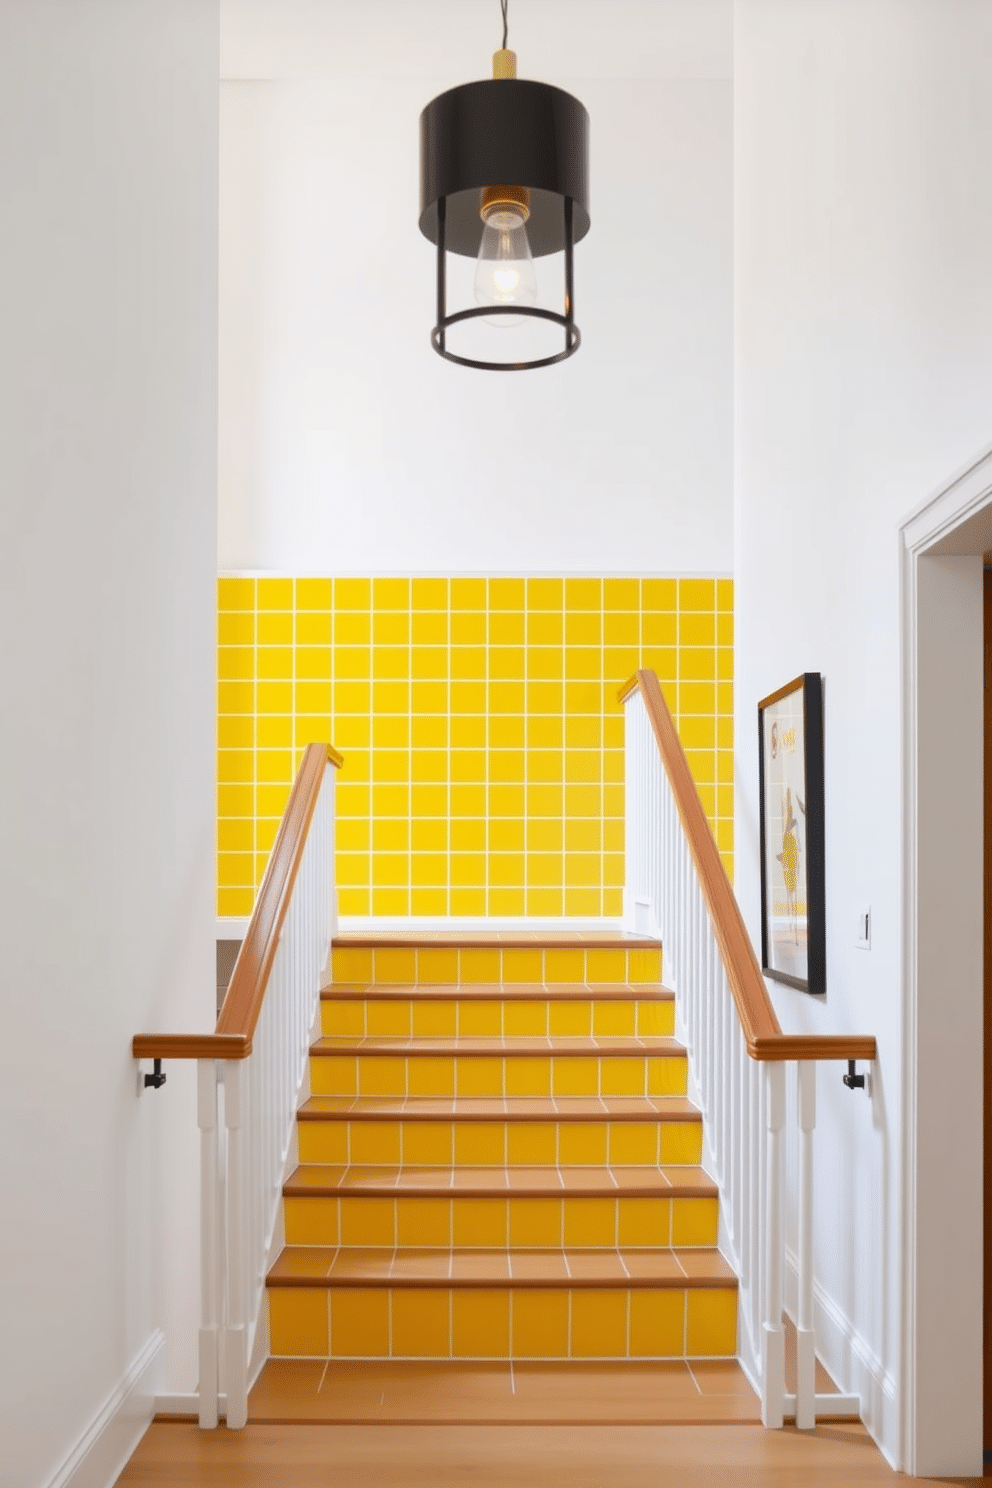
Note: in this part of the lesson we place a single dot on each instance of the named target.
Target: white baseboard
(851, 1362)
(102, 1452)
(232, 927)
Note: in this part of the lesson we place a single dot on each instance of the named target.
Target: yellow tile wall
(478, 718)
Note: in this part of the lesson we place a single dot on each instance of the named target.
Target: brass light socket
(493, 197)
(504, 63)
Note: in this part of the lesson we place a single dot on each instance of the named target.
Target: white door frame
(942, 544)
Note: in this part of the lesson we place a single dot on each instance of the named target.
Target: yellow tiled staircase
(498, 1160)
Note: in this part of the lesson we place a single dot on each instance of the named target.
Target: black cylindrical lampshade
(504, 131)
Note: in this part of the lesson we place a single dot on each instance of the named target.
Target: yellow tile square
(582, 1144)
(423, 1222)
(235, 593)
(525, 1019)
(437, 964)
(323, 1141)
(235, 663)
(506, 663)
(528, 1077)
(298, 1322)
(468, 870)
(478, 1075)
(480, 1019)
(711, 1322)
(236, 731)
(367, 1221)
(574, 1077)
(479, 1223)
(657, 1323)
(506, 836)
(545, 594)
(694, 1221)
(480, 1324)
(274, 594)
(395, 964)
(536, 1223)
(622, 1076)
(545, 664)
(655, 1019)
(342, 1016)
(583, 594)
(530, 1144)
(634, 1143)
(621, 594)
(351, 629)
(389, 1019)
(430, 594)
(599, 1323)
(479, 1144)
(583, 628)
(468, 901)
(540, 1323)
(506, 594)
(432, 1075)
(235, 902)
(523, 965)
(545, 765)
(570, 1019)
(544, 628)
(606, 965)
(468, 594)
(666, 1076)
(590, 1223)
(360, 1321)
(381, 1075)
(564, 965)
(613, 1019)
(311, 1221)
(421, 1323)
(505, 869)
(680, 1142)
(544, 870)
(334, 1076)
(644, 1221)
(547, 903)
(429, 663)
(313, 594)
(434, 1019)
(375, 1143)
(427, 1144)
(235, 834)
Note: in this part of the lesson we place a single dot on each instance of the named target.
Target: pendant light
(504, 179)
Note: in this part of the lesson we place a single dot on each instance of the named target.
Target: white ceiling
(451, 41)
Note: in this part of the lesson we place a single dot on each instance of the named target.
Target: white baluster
(774, 1349)
(805, 1343)
(235, 1340)
(206, 1106)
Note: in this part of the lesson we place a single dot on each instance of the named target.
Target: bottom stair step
(527, 1304)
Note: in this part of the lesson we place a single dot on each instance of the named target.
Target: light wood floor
(412, 1456)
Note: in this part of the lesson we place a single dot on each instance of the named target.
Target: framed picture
(790, 760)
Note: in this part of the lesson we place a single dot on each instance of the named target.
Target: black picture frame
(793, 890)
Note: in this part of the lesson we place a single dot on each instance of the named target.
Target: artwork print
(791, 755)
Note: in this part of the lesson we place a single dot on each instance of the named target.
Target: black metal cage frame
(504, 131)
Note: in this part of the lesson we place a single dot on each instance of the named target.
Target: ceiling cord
(503, 4)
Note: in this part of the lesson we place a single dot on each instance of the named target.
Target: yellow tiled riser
(497, 1075)
(498, 1224)
(501, 1144)
(523, 1323)
(426, 1017)
(444, 966)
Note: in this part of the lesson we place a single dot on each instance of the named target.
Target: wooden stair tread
(560, 1046)
(498, 1108)
(313, 1180)
(363, 1266)
(499, 991)
(484, 939)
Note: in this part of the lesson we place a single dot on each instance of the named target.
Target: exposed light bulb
(504, 270)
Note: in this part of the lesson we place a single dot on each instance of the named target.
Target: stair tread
(324, 1180)
(499, 991)
(499, 1108)
(314, 1265)
(608, 1045)
(469, 939)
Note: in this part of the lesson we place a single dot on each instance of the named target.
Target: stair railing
(677, 887)
(249, 1074)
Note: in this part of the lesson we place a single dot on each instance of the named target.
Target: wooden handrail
(763, 1035)
(239, 1013)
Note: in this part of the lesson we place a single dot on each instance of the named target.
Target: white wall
(347, 445)
(108, 177)
(863, 379)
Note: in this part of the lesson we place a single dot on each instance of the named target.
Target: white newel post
(235, 1337)
(773, 1384)
(206, 1107)
(805, 1347)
